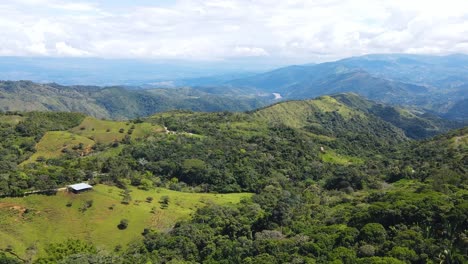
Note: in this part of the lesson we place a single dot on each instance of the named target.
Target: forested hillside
(119, 102)
(337, 179)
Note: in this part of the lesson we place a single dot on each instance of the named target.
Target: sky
(296, 31)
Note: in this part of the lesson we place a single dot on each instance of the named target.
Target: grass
(330, 104)
(335, 158)
(52, 143)
(245, 129)
(105, 131)
(89, 132)
(49, 220)
(11, 119)
(459, 141)
(297, 113)
(292, 114)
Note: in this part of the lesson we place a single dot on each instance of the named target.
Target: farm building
(79, 187)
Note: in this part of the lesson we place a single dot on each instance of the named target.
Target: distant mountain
(458, 111)
(346, 109)
(434, 83)
(438, 71)
(121, 103)
(302, 82)
(118, 102)
(130, 72)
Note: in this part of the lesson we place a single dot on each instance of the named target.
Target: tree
(345, 255)
(58, 251)
(126, 197)
(366, 251)
(403, 253)
(373, 233)
(145, 184)
(4, 259)
(123, 224)
(164, 201)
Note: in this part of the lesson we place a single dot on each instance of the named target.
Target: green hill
(38, 220)
(414, 123)
(325, 180)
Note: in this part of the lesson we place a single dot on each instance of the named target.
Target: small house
(79, 187)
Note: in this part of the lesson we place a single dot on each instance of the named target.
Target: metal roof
(80, 186)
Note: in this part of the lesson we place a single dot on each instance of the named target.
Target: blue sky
(296, 31)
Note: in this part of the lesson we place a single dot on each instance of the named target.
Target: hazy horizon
(263, 32)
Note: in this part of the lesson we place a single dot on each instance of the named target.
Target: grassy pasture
(11, 119)
(89, 132)
(105, 131)
(333, 157)
(39, 219)
(52, 143)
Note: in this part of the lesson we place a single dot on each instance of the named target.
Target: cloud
(297, 30)
(65, 50)
(250, 52)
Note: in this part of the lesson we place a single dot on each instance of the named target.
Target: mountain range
(435, 85)
(438, 84)
(118, 102)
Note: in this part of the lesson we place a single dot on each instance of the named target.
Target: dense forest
(335, 180)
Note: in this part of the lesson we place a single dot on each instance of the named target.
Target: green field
(88, 133)
(39, 219)
(330, 104)
(11, 119)
(335, 158)
(53, 142)
(298, 114)
(104, 131)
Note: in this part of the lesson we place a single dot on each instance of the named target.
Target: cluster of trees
(19, 133)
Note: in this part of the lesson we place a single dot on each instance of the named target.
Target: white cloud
(65, 50)
(250, 52)
(77, 7)
(298, 30)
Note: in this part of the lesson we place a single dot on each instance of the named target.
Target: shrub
(123, 224)
(164, 201)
